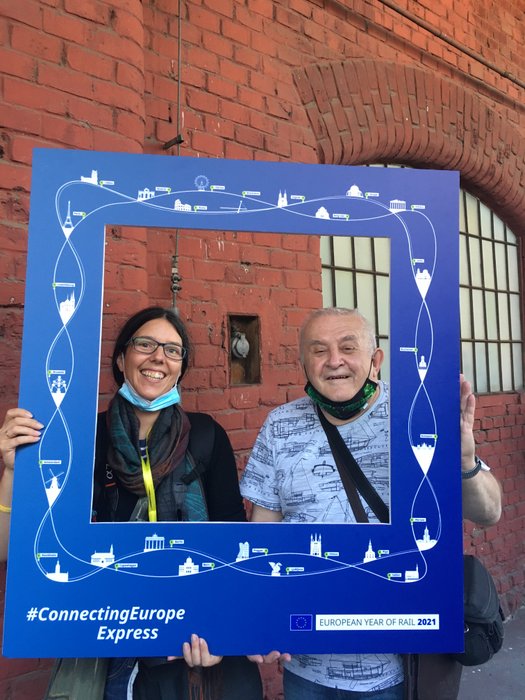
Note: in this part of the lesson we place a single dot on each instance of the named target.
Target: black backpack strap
(105, 489)
(352, 476)
(200, 447)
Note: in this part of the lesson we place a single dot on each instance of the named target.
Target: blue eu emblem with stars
(301, 623)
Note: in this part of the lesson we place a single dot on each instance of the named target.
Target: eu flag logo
(301, 623)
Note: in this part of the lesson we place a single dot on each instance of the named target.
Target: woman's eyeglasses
(147, 346)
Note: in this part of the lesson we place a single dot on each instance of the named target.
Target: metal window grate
(491, 334)
(355, 273)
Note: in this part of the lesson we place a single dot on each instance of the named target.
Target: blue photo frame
(119, 589)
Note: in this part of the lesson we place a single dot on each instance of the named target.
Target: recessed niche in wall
(245, 355)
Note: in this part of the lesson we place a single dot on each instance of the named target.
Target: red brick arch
(367, 110)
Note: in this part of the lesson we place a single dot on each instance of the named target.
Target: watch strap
(472, 472)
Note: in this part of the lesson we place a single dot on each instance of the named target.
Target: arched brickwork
(367, 110)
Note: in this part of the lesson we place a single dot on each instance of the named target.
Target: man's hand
(467, 407)
(481, 494)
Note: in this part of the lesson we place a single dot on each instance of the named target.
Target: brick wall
(501, 443)
(424, 83)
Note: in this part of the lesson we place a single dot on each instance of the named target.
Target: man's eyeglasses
(147, 346)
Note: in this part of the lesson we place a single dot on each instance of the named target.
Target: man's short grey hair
(368, 329)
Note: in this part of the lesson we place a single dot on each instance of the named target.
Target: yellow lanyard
(150, 488)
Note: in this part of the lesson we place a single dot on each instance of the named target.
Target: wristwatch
(472, 472)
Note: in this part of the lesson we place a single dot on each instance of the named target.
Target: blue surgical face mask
(170, 398)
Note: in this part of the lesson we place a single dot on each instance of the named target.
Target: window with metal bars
(490, 300)
(356, 274)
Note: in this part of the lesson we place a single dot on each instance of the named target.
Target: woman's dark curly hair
(132, 325)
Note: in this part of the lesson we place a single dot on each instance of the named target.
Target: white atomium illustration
(58, 386)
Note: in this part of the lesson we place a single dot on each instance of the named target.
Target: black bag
(77, 679)
(483, 615)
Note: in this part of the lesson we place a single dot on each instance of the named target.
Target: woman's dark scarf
(167, 443)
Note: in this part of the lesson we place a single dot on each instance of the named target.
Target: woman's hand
(197, 653)
(19, 428)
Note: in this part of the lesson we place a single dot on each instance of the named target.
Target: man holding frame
(344, 399)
